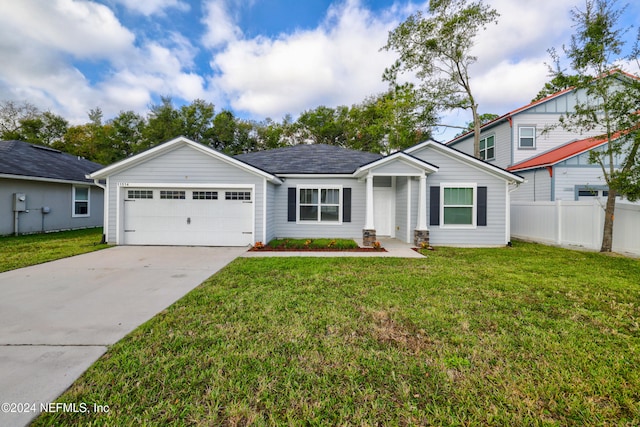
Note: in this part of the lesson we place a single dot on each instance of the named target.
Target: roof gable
(400, 162)
(173, 145)
(465, 158)
(309, 159)
(22, 159)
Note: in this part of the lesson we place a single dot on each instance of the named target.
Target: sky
(257, 58)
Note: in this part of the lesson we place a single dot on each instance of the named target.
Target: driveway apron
(58, 318)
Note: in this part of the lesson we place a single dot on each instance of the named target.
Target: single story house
(42, 189)
(184, 193)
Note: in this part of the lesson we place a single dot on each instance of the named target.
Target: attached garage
(188, 216)
(182, 193)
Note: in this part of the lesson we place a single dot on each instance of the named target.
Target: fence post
(559, 222)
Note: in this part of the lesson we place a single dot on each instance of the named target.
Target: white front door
(384, 211)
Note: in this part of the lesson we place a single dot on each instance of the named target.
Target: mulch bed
(269, 249)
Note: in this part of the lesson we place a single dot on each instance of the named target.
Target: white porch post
(368, 225)
(422, 204)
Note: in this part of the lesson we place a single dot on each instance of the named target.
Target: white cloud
(337, 63)
(221, 27)
(153, 7)
(81, 28)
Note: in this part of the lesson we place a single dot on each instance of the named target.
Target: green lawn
(529, 335)
(23, 251)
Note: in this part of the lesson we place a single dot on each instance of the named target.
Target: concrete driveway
(57, 318)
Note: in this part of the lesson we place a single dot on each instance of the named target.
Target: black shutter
(291, 205)
(434, 206)
(482, 206)
(346, 205)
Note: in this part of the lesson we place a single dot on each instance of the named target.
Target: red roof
(552, 157)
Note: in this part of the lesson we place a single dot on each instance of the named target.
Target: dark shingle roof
(308, 159)
(29, 160)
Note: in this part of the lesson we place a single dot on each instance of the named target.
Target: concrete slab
(57, 318)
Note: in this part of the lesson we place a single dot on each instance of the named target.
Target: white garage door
(189, 217)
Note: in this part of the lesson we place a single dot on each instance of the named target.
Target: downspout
(511, 149)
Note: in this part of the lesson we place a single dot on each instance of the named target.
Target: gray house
(42, 189)
(184, 193)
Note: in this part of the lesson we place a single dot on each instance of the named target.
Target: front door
(384, 211)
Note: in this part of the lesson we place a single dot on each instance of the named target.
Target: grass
(523, 336)
(23, 251)
(312, 244)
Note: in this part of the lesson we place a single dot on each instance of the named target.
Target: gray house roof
(308, 159)
(28, 160)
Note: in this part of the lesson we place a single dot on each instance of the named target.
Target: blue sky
(258, 58)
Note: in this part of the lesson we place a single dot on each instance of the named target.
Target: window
(205, 195)
(458, 205)
(319, 204)
(172, 194)
(140, 194)
(80, 201)
(237, 195)
(487, 148)
(527, 137)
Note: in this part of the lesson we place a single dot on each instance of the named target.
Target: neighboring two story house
(554, 161)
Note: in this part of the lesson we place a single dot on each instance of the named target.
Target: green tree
(437, 48)
(127, 132)
(44, 128)
(12, 115)
(196, 121)
(611, 103)
(163, 123)
(324, 125)
(484, 118)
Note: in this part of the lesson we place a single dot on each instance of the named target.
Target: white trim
(474, 209)
(174, 144)
(408, 210)
(315, 175)
(264, 212)
(403, 157)
(319, 188)
(472, 161)
(535, 137)
(73, 201)
(181, 185)
(125, 186)
(40, 179)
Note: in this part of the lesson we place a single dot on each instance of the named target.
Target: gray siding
(455, 170)
(537, 188)
(184, 165)
(568, 177)
(351, 230)
(56, 196)
(271, 209)
(502, 134)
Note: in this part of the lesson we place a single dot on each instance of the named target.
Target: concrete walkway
(58, 318)
(394, 249)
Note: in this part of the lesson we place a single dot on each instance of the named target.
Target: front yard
(23, 251)
(529, 335)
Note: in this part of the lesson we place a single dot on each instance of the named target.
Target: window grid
(487, 148)
(172, 194)
(527, 137)
(205, 195)
(458, 203)
(140, 194)
(237, 195)
(80, 201)
(319, 204)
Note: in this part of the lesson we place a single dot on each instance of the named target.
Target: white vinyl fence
(576, 224)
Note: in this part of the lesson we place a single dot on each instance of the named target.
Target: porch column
(421, 233)
(369, 231)
(422, 204)
(368, 224)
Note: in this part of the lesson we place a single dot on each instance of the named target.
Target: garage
(211, 216)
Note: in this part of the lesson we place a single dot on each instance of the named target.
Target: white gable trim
(470, 160)
(172, 145)
(411, 161)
